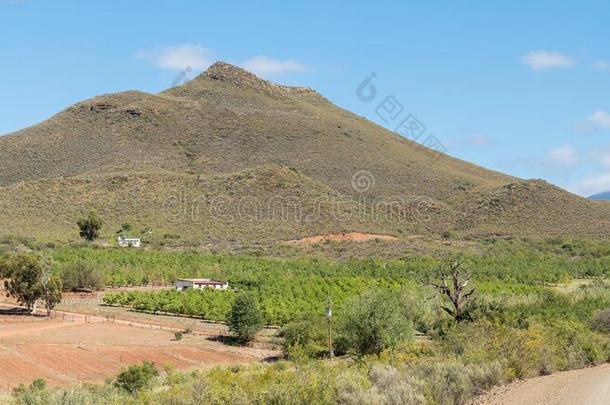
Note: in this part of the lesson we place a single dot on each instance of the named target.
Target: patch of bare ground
(90, 349)
(341, 237)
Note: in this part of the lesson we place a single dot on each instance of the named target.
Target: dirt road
(590, 386)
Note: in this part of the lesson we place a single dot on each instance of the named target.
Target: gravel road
(589, 386)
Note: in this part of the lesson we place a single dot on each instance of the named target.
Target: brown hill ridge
(229, 73)
(243, 136)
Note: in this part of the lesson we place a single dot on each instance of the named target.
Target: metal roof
(202, 280)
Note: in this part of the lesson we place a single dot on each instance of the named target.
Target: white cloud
(197, 57)
(600, 118)
(266, 66)
(592, 185)
(602, 65)
(541, 60)
(180, 57)
(564, 155)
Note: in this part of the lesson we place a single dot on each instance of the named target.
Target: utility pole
(329, 317)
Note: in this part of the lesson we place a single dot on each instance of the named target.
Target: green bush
(373, 322)
(305, 338)
(36, 393)
(81, 275)
(418, 308)
(135, 378)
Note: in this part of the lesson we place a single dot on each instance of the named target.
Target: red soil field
(64, 352)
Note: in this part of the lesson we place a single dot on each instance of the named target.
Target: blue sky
(520, 88)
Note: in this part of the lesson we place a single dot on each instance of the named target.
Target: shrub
(418, 308)
(136, 377)
(189, 329)
(35, 393)
(448, 235)
(125, 227)
(447, 383)
(601, 321)
(353, 388)
(39, 384)
(245, 318)
(50, 290)
(373, 322)
(81, 275)
(305, 338)
(484, 376)
(397, 387)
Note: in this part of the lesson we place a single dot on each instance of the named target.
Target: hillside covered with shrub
(231, 157)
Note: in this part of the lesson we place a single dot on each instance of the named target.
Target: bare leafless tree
(453, 286)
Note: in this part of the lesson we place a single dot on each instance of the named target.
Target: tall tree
(31, 278)
(245, 319)
(25, 272)
(90, 226)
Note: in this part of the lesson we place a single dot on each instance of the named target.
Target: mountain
(231, 157)
(605, 196)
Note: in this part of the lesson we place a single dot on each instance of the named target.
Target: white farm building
(199, 283)
(129, 242)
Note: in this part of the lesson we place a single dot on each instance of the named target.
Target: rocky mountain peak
(226, 72)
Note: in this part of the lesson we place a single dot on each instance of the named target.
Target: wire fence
(83, 318)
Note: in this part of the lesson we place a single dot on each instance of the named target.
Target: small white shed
(199, 283)
(129, 242)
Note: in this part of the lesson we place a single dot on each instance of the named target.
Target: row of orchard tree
(284, 299)
(30, 279)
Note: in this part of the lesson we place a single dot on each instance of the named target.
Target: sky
(518, 87)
